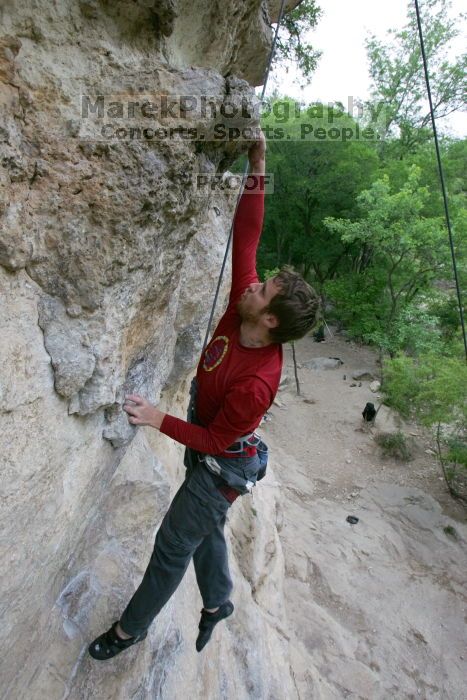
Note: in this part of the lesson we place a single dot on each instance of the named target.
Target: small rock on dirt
(319, 363)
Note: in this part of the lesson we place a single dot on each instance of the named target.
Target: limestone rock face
(109, 257)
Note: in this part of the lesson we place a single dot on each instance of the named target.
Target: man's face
(256, 298)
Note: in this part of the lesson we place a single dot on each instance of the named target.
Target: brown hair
(297, 307)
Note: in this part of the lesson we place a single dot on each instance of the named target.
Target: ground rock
(363, 374)
(376, 608)
(320, 363)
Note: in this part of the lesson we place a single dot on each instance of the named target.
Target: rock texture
(109, 258)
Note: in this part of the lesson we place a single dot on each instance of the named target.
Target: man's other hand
(141, 412)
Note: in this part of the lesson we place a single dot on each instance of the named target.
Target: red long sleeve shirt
(236, 384)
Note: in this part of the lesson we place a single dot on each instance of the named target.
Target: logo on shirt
(215, 353)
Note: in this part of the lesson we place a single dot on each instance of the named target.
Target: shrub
(394, 445)
(432, 390)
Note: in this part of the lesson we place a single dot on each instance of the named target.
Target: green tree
(443, 303)
(399, 253)
(454, 158)
(396, 68)
(291, 46)
(312, 179)
(432, 390)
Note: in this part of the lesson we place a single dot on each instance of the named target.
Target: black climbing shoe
(109, 644)
(209, 621)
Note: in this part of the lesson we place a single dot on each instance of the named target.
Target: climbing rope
(221, 274)
(441, 175)
(281, 11)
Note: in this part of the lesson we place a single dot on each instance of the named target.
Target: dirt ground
(336, 432)
(377, 609)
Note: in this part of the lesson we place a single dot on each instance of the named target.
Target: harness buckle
(250, 440)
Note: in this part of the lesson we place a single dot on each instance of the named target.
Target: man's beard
(246, 315)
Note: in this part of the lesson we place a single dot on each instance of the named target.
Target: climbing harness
(233, 473)
(441, 174)
(240, 445)
(239, 475)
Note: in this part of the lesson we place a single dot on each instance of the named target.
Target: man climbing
(237, 379)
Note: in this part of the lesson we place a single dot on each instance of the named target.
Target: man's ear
(270, 320)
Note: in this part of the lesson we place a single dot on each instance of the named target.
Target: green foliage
(312, 179)
(433, 389)
(396, 68)
(430, 388)
(457, 451)
(267, 274)
(394, 445)
(291, 47)
(354, 297)
(400, 253)
(454, 158)
(412, 329)
(454, 462)
(445, 308)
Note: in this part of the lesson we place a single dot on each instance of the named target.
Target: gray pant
(192, 527)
